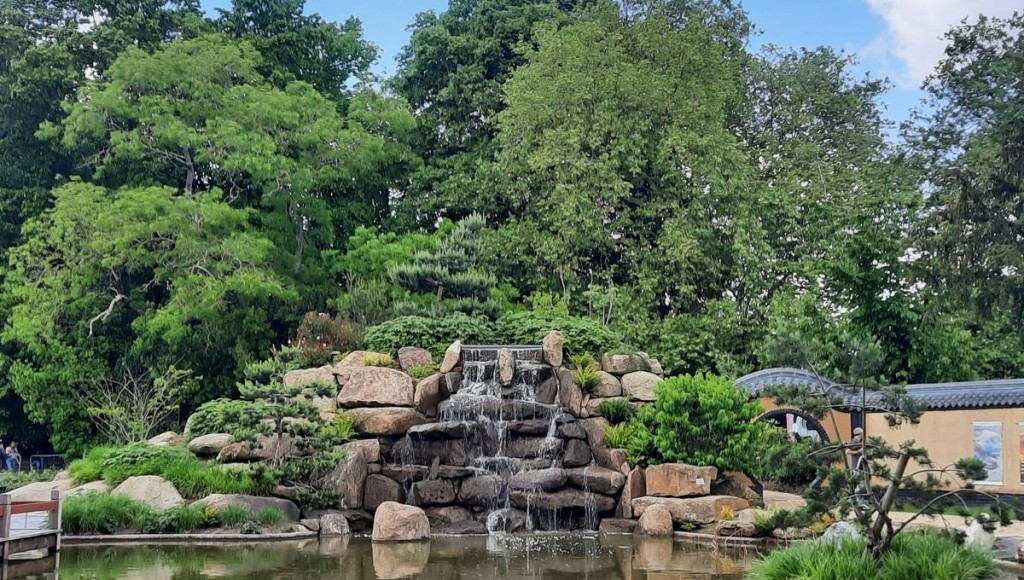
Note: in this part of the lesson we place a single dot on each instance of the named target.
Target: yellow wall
(842, 420)
(949, 435)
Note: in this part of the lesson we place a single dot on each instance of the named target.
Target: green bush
(789, 463)
(433, 334)
(90, 467)
(767, 521)
(912, 556)
(223, 416)
(618, 436)
(232, 515)
(378, 360)
(107, 513)
(616, 410)
(582, 334)
(340, 430)
(270, 517)
(319, 334)
(16, 479)
(420, 372)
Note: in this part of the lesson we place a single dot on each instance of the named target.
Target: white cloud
(914, 30)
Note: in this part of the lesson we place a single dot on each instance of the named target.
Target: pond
(535, 557)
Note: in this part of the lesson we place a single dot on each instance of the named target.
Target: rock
(355, 359)
(540, 480)
(506, 520)
(840, 532)
(614, 459)
(552, 345)
(302, 377)
(255, 504)
(482, 491)
(387, 420)
(692, 510)
(334, 523)
(562, 499)
(1020, 553)
(97, 486)
(636, 486)
(655, 521)
(452, 381)
(656, 367)
(151, 490)
(679, 480)
(63, 474)
(368, 448)
(506, 367)
(547, 391)
(617, 526)
(735, 484)
(742, 526)
(374, 387)
(786, 501)
(433, 492)
(571, 430)
(39, 491)
(451, 357)
(976, 534)
(395, 522)
(577, 453)
(421, 451)
(569, 394)
(313, 524)
(395, 561)
(584, 414)
(413, 356)
(380, 489)
(594, 427)
(640, 386)
(285, 491)
(792, 533)
(347, 478)
(454, 520)
(373, 468)
(167, 438)
(621, 364)
(608, 387)
(209, 445)
(428, 393)
(599, 479)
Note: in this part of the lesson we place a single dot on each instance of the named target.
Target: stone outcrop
(569, 394)
(167, 438)
(655, 521)
(620, 364)
(435, 492)
(597, 479)
(737, 485)
(387, 420)
(539, 480)
(413, 356)
(454, 520)
(617, 526)
(577, 453)
(481, 491)
(429, 393)
(451, 357)
(552, 345)
(254, 504)
(742, 526)
(39, 491)
(97, 486)
(368, 448)
(564, 498)
(355, 359)
(614, 459)
(380, 489)
(209, 445)
(395, 522)
(347, 478)
(792, 533)
(635, 486)
(679, 480)
(151, 490)
(640, 385)
(374, 387)
(323, 375)
(594, 427)
(608, 387)
(693, 510)
(333, 523)
(506, 367)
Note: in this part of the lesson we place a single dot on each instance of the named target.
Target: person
(854, 452)
(3, 455)
(13, 457)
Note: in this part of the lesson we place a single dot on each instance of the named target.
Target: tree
(133, 404)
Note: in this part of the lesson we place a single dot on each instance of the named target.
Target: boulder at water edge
(347, 479)
(679, 480)
(254, 504)
(151, 490)
(387, 420)
(692, 510)
(395, 522)
(655, 521)
(333, 523)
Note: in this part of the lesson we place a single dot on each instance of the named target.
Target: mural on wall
(988, 447)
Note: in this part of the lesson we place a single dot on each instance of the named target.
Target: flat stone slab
(692, 510)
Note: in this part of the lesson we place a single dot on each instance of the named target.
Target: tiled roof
(945, 396)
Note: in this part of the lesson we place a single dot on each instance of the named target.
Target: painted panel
(988, 447)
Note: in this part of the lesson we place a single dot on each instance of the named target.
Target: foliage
(913, 555)
(582, 334)
(767, 521)
(232, 515)
(587, 378)
(320, 334)
(378, 360)
(222, 416)
(433, 334)
(616, 411)
(341, 429)
(269, 516)
(107, 513)
(795, 464)
(10, 480)
(419, 372)
(135, 405)
(619, 436)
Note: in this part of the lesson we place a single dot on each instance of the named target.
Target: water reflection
(513, 557)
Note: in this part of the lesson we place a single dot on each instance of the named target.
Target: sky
(895, 39)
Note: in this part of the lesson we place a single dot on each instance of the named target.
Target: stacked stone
(628, 377)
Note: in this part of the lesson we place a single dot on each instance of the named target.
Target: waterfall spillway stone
(500, 444)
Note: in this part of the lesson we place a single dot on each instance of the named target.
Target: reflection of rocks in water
(394, 560)
(666, 559)
(333, 545)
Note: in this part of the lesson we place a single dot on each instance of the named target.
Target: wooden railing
(51, 508)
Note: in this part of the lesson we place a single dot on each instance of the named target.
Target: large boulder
(368, 448)
(454, 520)
(40, 490)
(451, 357)
(374, 387)
(434, 492)
(741, 526)
(635, 486)
(333, 523)
(252, 503)
(167, 438)
(151, 490)
(209, 445)
(539, 480)
(506, 367)
(608, 387)
(679, 480)
(564, 498)
(595, 427)
(640, 386)
(547, 391)
(380, 421)
(429, 393)
(481, 491)
(577, 453)
(395, 522)
(692, 510)
(380, 489)
(347, 478)
(97, 486)
(655, 521)
(413, 356)
(614, 459)
(738, 484)
(621, 364)
(303, 377)
(552, 345)
(599, 479)
(570, 396)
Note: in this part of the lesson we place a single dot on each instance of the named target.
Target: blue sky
(895, 39)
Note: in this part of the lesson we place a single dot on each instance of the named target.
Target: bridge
(27, 527)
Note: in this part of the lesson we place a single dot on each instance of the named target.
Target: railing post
(55, 516)
(5, 519)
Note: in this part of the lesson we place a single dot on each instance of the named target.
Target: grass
(269, 517)
(341, 429)
(15, 479)
(378, 360)
(192, 477)
(107, 513)
(419, 372)
(618, 436)
(616, 410)
(912, 556)
(233, 515)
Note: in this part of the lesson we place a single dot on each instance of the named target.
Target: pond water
(536, 557)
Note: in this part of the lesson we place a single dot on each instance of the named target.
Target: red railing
(52, 509)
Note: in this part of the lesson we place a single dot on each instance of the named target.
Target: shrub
(223, 416)
(912, 555)
(16, 479)
(433, 334)
(420, 372)
(582, 334)
(587, 378)
(616, 410)
(767, 521)
(90, 467)
(104, 513)
(232, 515)
(269, 517)
(618, 436)
(341, 429)
(789, 463)
(319, 334)
(378, 360)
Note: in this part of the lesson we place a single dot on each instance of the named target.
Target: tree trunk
(878, 542)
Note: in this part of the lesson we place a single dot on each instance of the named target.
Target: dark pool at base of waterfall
(496, 557)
